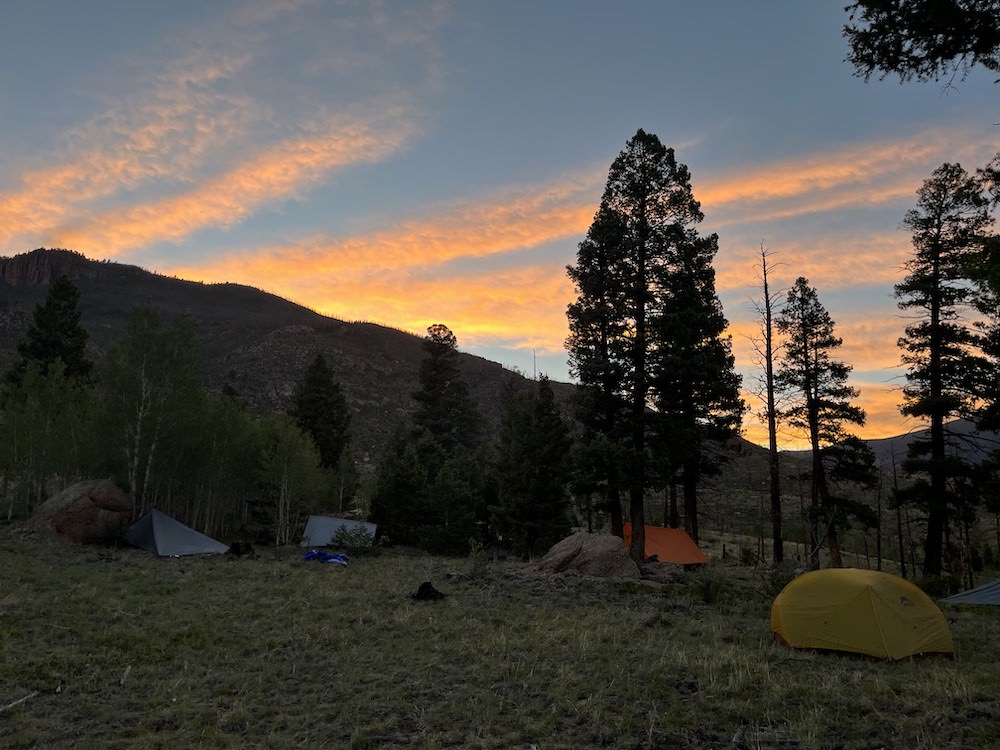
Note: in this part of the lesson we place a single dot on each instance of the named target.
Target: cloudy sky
(416, 162)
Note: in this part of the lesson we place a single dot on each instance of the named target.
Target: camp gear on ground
(860, 611)
(322, 530)
(325, 557)
(988, 593)
(167, 537)
(668, 546)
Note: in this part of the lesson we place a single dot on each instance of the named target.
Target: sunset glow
(440, 163)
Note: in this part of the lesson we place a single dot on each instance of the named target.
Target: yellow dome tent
(862, 611)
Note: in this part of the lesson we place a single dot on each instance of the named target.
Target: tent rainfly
(668, 545)
(860, 611)
(320, 530)
(988, 593)
(167, 537)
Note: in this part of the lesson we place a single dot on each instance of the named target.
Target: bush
(774, 580)
(353, 539)
(478, 561)
(710, 588)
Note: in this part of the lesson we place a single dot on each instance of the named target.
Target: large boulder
(90, 512)
(598, 555)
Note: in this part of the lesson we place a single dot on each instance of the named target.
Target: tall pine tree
(444, 407)
(820, 404)
(949, 227)
(320, 410)
(694, 384)
(47, 399)
(531, 471)
(427, 490)
(598, 358)
(641, 251)
(55, 333)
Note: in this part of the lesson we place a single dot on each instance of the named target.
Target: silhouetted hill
(962, 437)
(258, 342)
(961, 434)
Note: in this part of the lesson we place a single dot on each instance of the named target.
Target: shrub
(710, 588)
(353, 539)
(773, 580)
(478, 561)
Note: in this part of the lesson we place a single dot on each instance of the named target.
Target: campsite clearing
(122, 649)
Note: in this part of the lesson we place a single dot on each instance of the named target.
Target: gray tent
(320, 530)
(988, 593)
(159, 533)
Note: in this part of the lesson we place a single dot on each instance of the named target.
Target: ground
(120, 649)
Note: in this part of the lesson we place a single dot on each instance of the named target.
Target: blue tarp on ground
(988, 593)
(325, 557)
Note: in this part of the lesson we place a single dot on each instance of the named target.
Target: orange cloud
(511, 221)
(879, 400)
(829, 262)
(854, 166)
(274, 175)
(161, 135)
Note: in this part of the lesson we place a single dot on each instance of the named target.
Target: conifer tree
(444, 407)
(820, 403)
(641, 251)
(923, 39)
(597, 341)
(47, 399)
(940, 347)
(320, 409)
(532, 509)
(56, 334)
(694, 385)
(427, 488)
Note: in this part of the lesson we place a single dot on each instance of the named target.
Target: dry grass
(273, 652)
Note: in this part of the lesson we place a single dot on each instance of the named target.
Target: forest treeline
(658, 397)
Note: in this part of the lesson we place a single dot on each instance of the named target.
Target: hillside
(962, 436)
(258, 342)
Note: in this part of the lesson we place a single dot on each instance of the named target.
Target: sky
(423, 161)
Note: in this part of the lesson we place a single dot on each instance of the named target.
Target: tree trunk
(614, 505)
(774, 474)
(833, 543)
(689, 482)
(637, 517)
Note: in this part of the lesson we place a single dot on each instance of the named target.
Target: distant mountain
(257, 342)
(962, 437)
(961, 434)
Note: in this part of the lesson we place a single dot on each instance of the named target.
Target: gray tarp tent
(320, 530)
(988, 593)
(167, 537)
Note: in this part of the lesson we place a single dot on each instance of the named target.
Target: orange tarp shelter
(669, 545)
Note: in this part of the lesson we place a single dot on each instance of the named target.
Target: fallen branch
(121, 682)
(19, 701)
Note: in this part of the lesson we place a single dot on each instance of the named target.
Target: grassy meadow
(120, 649)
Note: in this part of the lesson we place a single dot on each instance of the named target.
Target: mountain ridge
(256, 341)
